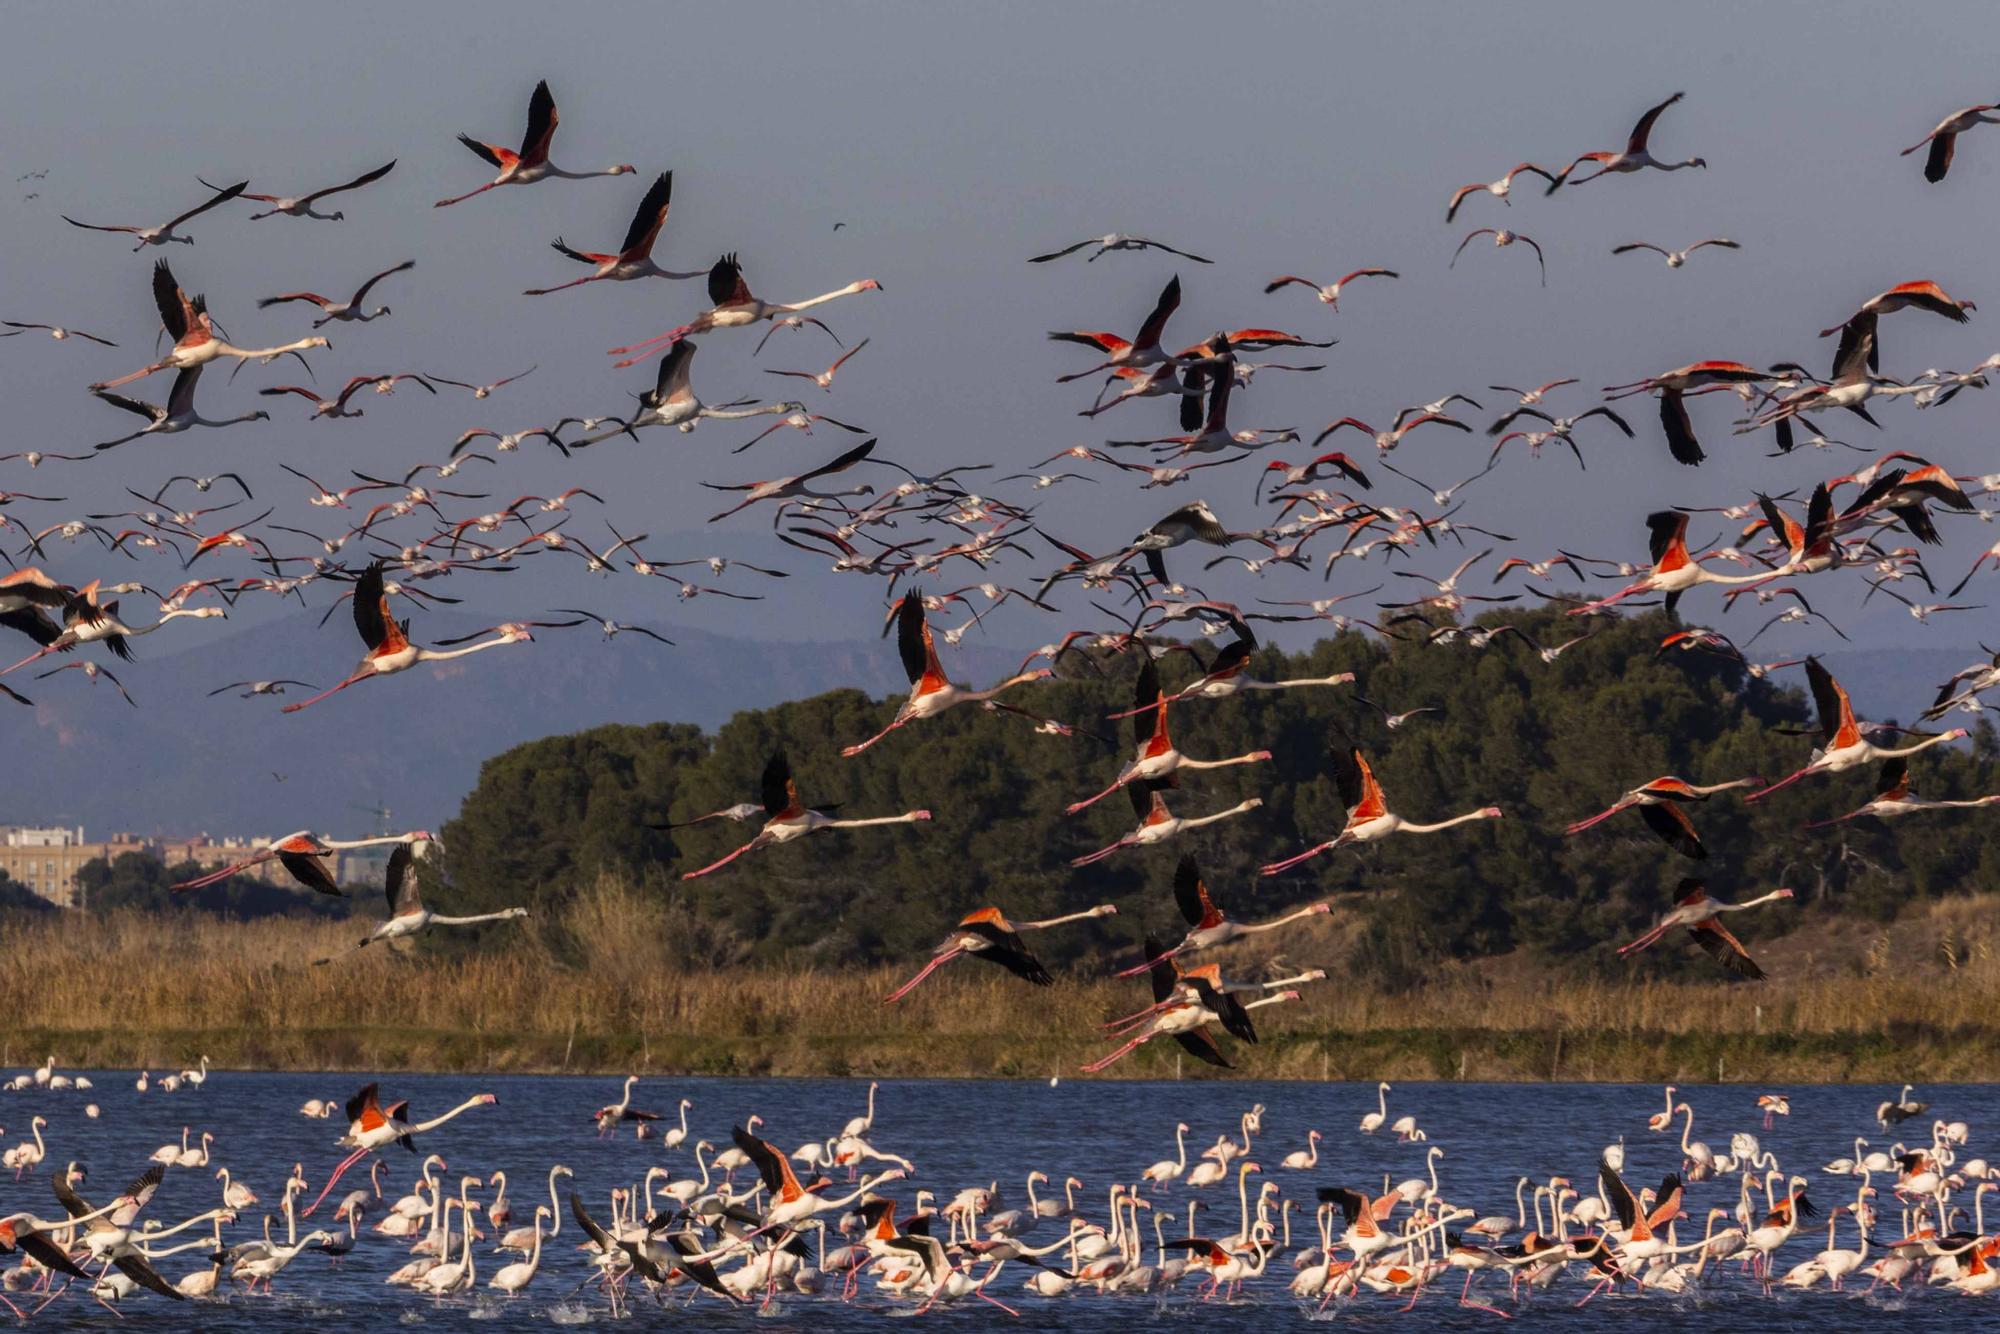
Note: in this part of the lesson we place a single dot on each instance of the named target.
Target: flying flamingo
(1227, 674)
(1156, 823)
(1659, 803)
(672, 402)
(787, 819)
(634, 258)
(407, 914)
(1502, 237)
(55, 331)
(1893, 797)
(370, 1127)
(1499, 189)
(987, 934)
(349, 310)
(1844, 745)
(532, 163)
(1674, 571)
(302, 205)
(1675, 258)
(1156, 755)
(480, 390)
(1701, 915)
(1636, 156)
(1674, 386)
(1208, 925)
(301, 853)
(1143, 349)
(1389, 439)
(389, 649)
(1330, 294)
(163, 234)
(733, 307)
(931, 691)
(1115, 241)
(1368, 815)
(337, 406)
(85, 621)
(789, 489)
(824, 379)
(1943, 140)
(1308, 473)
(187, 322)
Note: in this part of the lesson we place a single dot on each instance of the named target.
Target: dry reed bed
(139, 989)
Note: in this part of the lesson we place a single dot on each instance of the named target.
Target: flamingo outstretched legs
(331, 690)
(751, 846)
(1279, 868)
(936, 963)
(345, 1163)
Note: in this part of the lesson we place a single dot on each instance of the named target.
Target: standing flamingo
(634, 257)
(987, 934)
(1844, 745)
(389, 648)
(787, 819)
(732, 307)
(1368, 815)
(1156, 756)
(931, 691)
(532, 163)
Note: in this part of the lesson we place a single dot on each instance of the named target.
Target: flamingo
(1368, 815)
(1140, 351)
(1168, 1170)
(634, 257)
(788, 489)
(1702, 915)
(532, 163)
(370, 1127)
(1675, 258)
(987, 934)
(787, 819)
(1943, 140)
(1674, 386)
(1387, 440)
(1156, 756)
(1636, 156)
(1502, 237)
(177, 414)
(1209, 927)
(57, 332)
(1844, 746)
(1227, 674)
(301, 853)
(407, 914)
(1111, 241)
(165, 233)
(824, 379)
(1499, 189)
(302, 205)
(1373, 1121)
(1893, 797)
(609, 1116)
(1659, 802)
(187, 321)
(389, 649)
(87, 622)
(1301, 1159)
(1184, 1004)
(732, 307)
(1156, 823)
(350, 310)
(514, 1277)
(1330, 294)
(337, 406)
(931, 691)
(1674, 570)
(486, 391)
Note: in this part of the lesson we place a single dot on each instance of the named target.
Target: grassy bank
(1917, 1000)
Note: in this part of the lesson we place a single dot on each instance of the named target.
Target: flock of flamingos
(875, 517)
(688, 1231)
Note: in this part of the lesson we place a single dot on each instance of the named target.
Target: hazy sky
(954, 141)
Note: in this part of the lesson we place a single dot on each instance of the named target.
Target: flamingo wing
(1671, 823)
(495, 155)
(1836, 715)
(1623, 1202)
(1198, 1043)
(1637, 143)
(1163, 309)
(725, 282)
(399, 885)
(310, 871)
(1191, 896)
(371, 608)
(1003, 946)
(542, 120)
(1725, 949)
(780, 794)
(171, 302)
(652, 215)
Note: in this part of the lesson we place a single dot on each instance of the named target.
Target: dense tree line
(1550, 742)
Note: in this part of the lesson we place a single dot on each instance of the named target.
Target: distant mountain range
(184, 762)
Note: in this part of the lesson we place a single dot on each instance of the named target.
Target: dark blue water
(971, 1133)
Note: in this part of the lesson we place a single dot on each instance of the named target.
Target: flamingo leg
(1090, 857)
(1278, 868)
(1125, 1050)
(1135, 971)
(216, 877)
(1596, 819)
(460, 199)
(34, 657)
(718, 865)
(560, 287)
(850, 752)
(135, 375)
(345, 1163)
(332, 690)
(981, 1294)
(1643, 941)
(652, 347)
(936, 963)
(1754, 796)
(1076, 806)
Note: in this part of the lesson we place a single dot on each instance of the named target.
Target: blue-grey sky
(953, 142)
